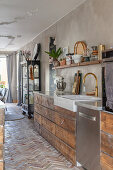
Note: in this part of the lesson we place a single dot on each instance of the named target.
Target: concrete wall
(91, 22)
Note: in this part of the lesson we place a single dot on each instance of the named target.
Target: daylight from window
(3, 72)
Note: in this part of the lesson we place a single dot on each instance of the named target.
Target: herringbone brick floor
(25, 149)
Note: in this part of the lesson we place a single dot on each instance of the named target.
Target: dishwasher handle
(87, 116)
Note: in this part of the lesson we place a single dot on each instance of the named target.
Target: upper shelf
(79, 64)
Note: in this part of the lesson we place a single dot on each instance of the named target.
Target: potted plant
(55, 54)
(62, 61)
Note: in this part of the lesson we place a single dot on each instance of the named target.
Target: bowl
(77, 58)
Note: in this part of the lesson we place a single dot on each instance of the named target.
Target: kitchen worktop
(45, 93)
(70, 102)
(50, 94)
(95, 105)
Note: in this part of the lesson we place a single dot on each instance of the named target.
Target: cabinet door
(106, 162)
(107, 122)
(36, 78)
(24, 85)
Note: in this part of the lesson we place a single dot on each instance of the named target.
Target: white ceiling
(22, 20)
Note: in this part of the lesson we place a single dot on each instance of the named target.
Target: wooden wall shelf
(79, 64)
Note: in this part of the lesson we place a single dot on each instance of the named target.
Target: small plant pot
(50, 60)
(56, 63)
(63, 62)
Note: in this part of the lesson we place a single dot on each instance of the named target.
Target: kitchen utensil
(76, 86)
(61, 85)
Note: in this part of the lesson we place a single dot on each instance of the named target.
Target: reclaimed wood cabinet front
(106, 141)
(56, 125)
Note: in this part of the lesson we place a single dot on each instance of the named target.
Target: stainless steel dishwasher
(88, 138)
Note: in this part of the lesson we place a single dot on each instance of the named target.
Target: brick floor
(25, 149)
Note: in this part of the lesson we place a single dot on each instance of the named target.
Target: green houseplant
(55, 55)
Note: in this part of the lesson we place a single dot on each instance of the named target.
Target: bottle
(100, 49)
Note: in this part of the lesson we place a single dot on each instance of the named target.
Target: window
(3, 72)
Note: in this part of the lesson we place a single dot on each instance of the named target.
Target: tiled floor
(26, 150)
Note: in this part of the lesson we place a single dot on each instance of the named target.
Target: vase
(56, 63)
(63, 62)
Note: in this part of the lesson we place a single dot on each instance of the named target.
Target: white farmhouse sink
(69, 101)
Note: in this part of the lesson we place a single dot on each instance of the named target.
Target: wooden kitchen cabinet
(56, 125)
(62, 119)
(106, 141)
(107, 122)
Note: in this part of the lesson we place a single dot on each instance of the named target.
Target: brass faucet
(96, 87)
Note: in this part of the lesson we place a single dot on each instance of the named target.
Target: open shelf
(79, 64)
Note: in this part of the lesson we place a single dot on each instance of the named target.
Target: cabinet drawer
(37, 127)
(67, 151)
(2, 165)
(48, 136)
(59, 119)
(65, 123)
(2, 117)
(48, 113)
(107, 143)
(44, 100)
(1, 152)
(107, 122)
(50, 126)
(66, 136)
(37, 98)
(1, 134)
(65, 112)
(37, 118)
(106, 162)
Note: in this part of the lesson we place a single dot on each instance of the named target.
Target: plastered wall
(91, 22)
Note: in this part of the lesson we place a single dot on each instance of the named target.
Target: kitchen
(54, 113)
(56, 122)
(70, 101)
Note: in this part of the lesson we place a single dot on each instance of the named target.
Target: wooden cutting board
(76, 86)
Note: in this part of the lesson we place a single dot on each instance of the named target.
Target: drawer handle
(87, 116)
(62, 122)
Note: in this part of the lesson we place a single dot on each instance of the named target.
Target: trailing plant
(54, 54)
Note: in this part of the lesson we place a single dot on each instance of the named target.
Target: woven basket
(80, 48)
